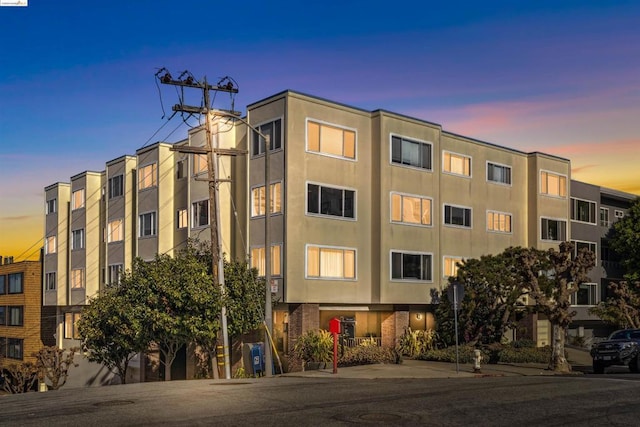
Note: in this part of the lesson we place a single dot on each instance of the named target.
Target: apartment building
(25, 327)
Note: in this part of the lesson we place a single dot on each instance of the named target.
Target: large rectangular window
(50, 281)
(410, 209)
(77, 278)
(411, 153)
(77, 239)
(71, 325)
(553, 229)
(330, 262)
(411, 266)
(331, 140)
(553, 184)
(114, 274)
(15, 348)
(200, 164)
(182, 218)
(200, 213)
(115, 230)
(457, 164)
(77, 199)
(324, 200)
(258, 260)
(273, 133)
(50, 245)
(258, 206)
(499, 222)
(16, 283)
(451, 265)
(50, 206)
(583, 210)
(457, 216)
(147, 224)
(116, 186)
(498, 173)
(587, 294)
(579, 245)
(147, 176)
(15, 316)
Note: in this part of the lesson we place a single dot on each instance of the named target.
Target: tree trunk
(558, 362)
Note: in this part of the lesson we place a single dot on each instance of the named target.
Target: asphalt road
(489, 401)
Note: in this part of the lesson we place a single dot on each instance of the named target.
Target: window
(114, 274)
(499, 222)
(330, 201)
(77, 278)
(618, 214)
(50, 206)
(498, 173)
(457, 216)
(411, 153)
(457, 164)
(258, 260)
(15, 283)
(115, 231)
(50, 245)
(148, 224)
(410, 209)
(579, 245)
(182, 218)
(583, 210)
(116, 186)
(77, 199)
(553, 229)
(604, 217)
(330, 263)
(3, 315)
(200, 164)
(258, 199)
(71, 325)
(450, 267)
(147, 176)
(553, 184)
(411, 266)
(331, 140)
(15, 348)
(15, 316)
(200, 213)
(50, 281)
(77, 239)
(587, 294)
(3, 286)
(273, 133)
(180, 169)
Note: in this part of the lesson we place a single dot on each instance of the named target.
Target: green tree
(245, 298)
(551, 277)
(112, 328)
(625, 241)
(493, 292)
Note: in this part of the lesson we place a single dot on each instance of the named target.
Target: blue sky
(77, 78)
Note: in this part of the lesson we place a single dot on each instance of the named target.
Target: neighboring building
(25, 327)
(369, 213)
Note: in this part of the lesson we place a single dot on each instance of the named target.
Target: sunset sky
(77, 82)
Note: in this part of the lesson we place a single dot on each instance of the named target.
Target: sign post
(334, 328)
(455, 292)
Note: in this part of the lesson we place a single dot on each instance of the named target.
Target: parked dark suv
(622, 348)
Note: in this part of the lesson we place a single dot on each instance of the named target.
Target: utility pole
(217, 262)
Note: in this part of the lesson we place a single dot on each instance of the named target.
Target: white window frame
(74, 244)
(259, 127)
(594, 291)
(154, 224)
(71, 325)
(334, 187)
(618, 213)
(258, 260)
(196, 208)
(411, 280)
(566, 229)
(459, 155)
(50, 206)
(320, 276)
(410, 140)
(50, 283)
(335, 126)
(489, 225)
(110, 230)
(595, 248)
(77, 199)
(407, 195)
(604, 222)
(142, 178)
(561, 188)
(275, 195)
(452, 261)
(444, 218)
(500, 165)
(574, 209)
(114, 270)
(50, 245)
(77, 274)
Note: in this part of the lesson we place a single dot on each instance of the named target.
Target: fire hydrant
(477, 358)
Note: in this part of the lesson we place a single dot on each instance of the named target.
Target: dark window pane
(426, 156)
(277, 134)
(396, 265)
(331, 201)
(411, 266)
(396, 149)
(348, 204)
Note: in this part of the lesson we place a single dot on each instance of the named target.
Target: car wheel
(598, 368)
(633, 365)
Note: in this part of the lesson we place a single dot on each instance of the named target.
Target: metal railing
(354, 342)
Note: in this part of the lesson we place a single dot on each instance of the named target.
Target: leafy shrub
(524, 343)
(314, 346)
(512, 354)
(412, 343)
(448, 354)
(19, 378)
(367, 355)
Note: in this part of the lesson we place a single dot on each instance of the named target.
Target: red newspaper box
(334, 325)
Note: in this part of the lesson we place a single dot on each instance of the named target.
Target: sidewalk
(409, 368)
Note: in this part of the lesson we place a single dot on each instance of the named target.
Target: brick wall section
(393, 326)
(302, 318)
(31, 300)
